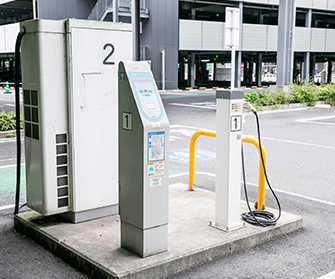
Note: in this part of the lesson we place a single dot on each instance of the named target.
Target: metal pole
(285, 50)
(115, 10)
(233, 54)
(34, 9)
(135, 20)
(163, 69)
(239, 54)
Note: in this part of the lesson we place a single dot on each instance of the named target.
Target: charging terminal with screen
(143, 161)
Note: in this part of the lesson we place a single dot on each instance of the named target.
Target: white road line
(280, 110)
(253, 136)
(298, 142)
(295, 195)
(256, 185)
(191, 127)
(330, 275)
(213, 107)
(314, 120)
(7, 207)
(192, 106)
(9, 105)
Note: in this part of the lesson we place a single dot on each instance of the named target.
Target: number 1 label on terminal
(127, 121)
(236, 123)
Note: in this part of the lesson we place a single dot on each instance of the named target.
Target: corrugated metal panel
(212, 33)
(8, 34)
(330, 40)
(190, 34)
(320, 4)
(318, 39)
(304, 3)
(254, 37)
(331, 5)
(2, 38)
(60, 9)
(302, 39)
(272, 42)
(257, 1)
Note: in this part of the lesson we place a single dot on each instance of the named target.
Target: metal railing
(103, 6)
(261, 177)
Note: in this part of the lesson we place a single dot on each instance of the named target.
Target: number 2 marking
(106, 62)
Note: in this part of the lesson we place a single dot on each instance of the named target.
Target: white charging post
(229, 106)
(143, 161)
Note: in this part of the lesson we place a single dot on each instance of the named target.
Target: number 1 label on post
(127, 121)
(236, 123)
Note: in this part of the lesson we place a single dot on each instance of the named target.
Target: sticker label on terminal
(156, 146)
(156, 169)
(236, 107)
(155, 181)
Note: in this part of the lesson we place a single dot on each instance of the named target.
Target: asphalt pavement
(300, 151)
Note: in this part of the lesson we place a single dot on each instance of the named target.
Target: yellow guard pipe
(261, 177)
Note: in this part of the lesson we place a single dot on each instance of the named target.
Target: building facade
(191, 33)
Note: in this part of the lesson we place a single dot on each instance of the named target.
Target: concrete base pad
(94, 247)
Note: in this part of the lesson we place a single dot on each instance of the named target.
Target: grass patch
(301, 93)
(8, 121)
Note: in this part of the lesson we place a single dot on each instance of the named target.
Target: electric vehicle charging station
(143, 161)
(229, 108)
(69, 72)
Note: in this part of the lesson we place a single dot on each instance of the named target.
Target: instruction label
(156, 146)
(236, 107)
(156, 168)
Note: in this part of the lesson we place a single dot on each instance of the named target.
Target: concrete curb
(3, 134)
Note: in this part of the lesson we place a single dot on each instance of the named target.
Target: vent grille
(31, 114)
(62, 170)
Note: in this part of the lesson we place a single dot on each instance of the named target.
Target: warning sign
(156, 146)
(156, 169)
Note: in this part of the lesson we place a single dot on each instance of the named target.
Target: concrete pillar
(246, 74)
(313, 67)
(329, 75)
(191, 70)
(238, 63)
(285, 52)
(259, 70)
(307, 55)
(193, 13)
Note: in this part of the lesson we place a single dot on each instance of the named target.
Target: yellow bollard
(192, 155)
(261, 176)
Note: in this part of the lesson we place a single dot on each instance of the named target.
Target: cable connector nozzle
(249, 106)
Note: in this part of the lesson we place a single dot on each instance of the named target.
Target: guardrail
(261, 177)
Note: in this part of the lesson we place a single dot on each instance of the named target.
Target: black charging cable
(259, 217)
(17, 111)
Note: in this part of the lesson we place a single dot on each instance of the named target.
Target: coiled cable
(259, 217)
